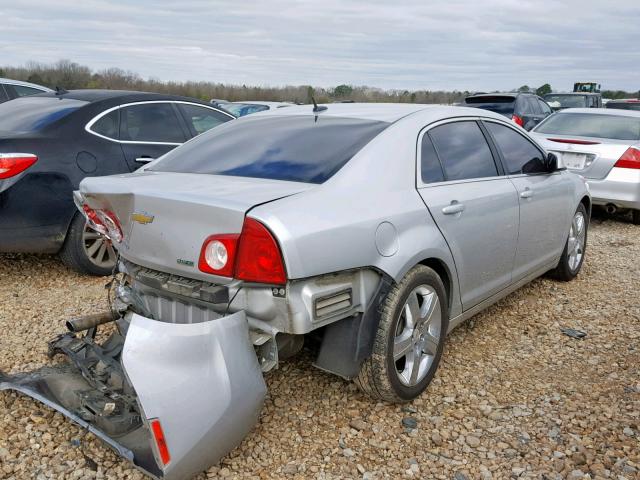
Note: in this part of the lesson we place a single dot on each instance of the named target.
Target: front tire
(575, 248)
(409, 340)
(86, 251)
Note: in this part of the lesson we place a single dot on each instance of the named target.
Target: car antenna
(60, 91)
(317, 108)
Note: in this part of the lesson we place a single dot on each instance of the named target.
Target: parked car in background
(375, 228)
(560, 101)
(50, 142)
(525, 109)
(240, 109)
(603, 146)
(624, 104)
(10, 89)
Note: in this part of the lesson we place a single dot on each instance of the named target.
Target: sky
(445, 45)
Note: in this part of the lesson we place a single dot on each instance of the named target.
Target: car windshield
(592, 125)
(30, 114)
(566, 101)
(504, 105)
(296, 148)
(633, 105)
(242, 109)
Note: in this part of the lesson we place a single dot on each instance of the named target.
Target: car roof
(24, 84)
(603, 111)
(123, 96)
(383, 112)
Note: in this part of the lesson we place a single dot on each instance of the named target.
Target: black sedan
(49, 142)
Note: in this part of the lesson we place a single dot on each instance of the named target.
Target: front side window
(592, 125)
(201, 119)
(463, 151)
(150, 122)
(107, 125)
(22, 91)
(298, 148)
(519, 154)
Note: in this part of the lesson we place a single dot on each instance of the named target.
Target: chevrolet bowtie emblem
(142, 218)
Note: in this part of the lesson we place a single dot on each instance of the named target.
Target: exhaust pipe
(611, 208)
(86, 322)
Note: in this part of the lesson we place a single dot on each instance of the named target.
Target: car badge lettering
(142, 218)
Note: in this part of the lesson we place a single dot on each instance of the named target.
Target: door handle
(144, 159)
(526, 193)
(454, 208)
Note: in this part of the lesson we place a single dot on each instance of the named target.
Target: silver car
(376, 229)
(603, 145)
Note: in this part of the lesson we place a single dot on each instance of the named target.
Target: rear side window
(504, 105)
(519, 154)
(532, 106)
(22, 91)
(3, 95)
(107, 125)
(150, 122)
(546, 109)
(201, 119)
(430, 165)
(297, 148)
(30, 114)
(592, 125)
(463, 151)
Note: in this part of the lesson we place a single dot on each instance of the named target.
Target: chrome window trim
(22, 84)
(420, 184)
(91, 122)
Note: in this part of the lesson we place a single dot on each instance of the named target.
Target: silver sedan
(603, 146)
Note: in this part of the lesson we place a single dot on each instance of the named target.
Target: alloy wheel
(98, 248)
(577, 236)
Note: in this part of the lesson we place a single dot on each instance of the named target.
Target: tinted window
(22, 91)
(28, 114)
(532, 106)
(202, 119)
(624, 105)
(150, 122)
(430, 165)
(463, 151)
(592, 125)
(3, 95)
(242, 109)
(546, 109)
(296, 148)
(108, 125)
(499, 104)
(520, 155)
(566, 101)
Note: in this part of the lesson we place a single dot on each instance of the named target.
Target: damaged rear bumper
(200, 382)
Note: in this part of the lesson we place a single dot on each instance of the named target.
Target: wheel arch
(586, 201)
(444, 273)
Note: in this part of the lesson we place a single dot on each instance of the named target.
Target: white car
(10, 89)
(602, 145)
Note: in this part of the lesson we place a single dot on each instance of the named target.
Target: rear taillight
(252, 256)
(11, 164)
(103, 221)
(570, 140)
(161, 442)
(517, 120)
(629, 159)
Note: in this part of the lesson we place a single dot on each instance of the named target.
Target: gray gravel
(514, 396)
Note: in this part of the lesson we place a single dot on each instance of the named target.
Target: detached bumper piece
(173, 399)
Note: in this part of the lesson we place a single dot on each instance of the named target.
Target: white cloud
(460, 44)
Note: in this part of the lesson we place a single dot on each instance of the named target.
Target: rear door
(543, 197)
(148, 130)
(474, 206)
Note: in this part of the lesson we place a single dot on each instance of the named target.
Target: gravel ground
(513, 398)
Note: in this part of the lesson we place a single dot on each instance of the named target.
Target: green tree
(544, 89)
(524, 89)
(342, 91)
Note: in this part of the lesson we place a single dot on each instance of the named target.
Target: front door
(475, 208)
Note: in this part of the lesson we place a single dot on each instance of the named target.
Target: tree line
(70, 75)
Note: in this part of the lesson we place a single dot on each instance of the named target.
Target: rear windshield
(30, 114)
(592, 125)
(242, 109)
(566, 101)
(499, 104)
(296, 148)
(624, 105)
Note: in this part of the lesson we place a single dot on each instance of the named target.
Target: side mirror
(552, 163)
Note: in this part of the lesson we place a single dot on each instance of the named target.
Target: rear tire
(409, 340)
(86, 251)
(635, 217)
(575, 248)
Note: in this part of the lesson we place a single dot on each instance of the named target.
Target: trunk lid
(594, 159)
(165, 217)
